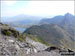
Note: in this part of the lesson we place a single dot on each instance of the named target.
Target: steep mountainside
(58, 31)
(66, 22)
(51, 33)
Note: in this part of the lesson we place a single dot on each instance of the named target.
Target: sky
(36, 8)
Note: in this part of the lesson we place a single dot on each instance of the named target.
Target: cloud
(10, 3)
(46, 8)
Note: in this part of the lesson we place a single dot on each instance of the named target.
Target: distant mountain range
(21, 19)
(58, 31)
(58, 19)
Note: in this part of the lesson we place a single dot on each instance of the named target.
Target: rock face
(44, 53)
(37, 45)
(11, 46)
(52, 48)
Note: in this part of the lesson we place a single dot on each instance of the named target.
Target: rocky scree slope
(13, 43)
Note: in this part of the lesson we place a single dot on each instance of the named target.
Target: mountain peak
(68, 14)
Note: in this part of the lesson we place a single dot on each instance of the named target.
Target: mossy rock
(14, 32)
(6, 32)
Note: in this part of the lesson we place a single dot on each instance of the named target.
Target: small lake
(20, 29)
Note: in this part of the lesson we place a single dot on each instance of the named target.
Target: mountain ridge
(56, 32)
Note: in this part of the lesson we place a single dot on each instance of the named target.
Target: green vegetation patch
(37, 39)
(6, 32)
(21, 38)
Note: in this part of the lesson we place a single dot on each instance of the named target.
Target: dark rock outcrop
(52, 48)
